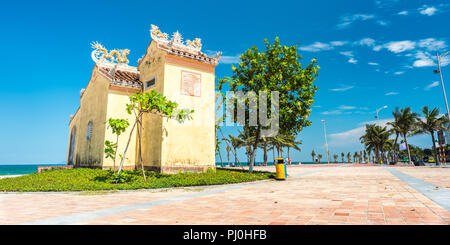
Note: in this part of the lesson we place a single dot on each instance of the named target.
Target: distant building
(179, 71)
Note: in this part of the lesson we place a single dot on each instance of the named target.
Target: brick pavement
(348, 194)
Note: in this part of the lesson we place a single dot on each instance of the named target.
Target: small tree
(319, 156)
(117, 126)
(335, 157)
(349, 157)
(151, 103)
(342, 156)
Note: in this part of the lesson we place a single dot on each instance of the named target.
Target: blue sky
(371, 54)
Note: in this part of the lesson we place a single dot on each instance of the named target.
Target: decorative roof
(176, 46)
(120, 77)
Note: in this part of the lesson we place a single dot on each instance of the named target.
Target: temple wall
(93, 107)
(189, 145)
(116, 109)
(152, 65)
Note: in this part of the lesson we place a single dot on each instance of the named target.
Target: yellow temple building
(178, 70)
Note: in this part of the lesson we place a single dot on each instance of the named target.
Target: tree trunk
(228, 158)
(434, 149)
(221, 162)
(395, 150)
(139, 130)
(407, 148)
(126, 148)
(289, 156)
(235, 156)
(253, 151)
(265, 153)
(115, 154)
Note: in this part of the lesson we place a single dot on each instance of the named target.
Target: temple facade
(174, 68)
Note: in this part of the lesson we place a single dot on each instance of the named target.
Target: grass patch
(85, 179)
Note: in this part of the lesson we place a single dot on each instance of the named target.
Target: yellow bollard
(280, 168)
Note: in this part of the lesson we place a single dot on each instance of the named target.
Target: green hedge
(84, 179)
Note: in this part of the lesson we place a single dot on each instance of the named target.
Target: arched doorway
(73, 137)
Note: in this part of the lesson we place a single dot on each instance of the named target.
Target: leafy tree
(432, 123)
(278, 68)
(235, 142)
(117, 126)
(319, 157)
(292, 143)
(349, 157)
(151, 103)
(342, 156)
(335, 157)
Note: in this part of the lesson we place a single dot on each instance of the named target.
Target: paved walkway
(342, 194)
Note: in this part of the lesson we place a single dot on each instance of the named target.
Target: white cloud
(382, 22)
(377, 48)
(425, 10)
(404, 12)
(347, 20)
(423, 59)
(317, 46)
(229, 59)
(346, 107)
(352, 61)
(399, 72)
(432, 44)
(391, 93)
(335, 112)
(341, 89)
(373, 64)
(338, 43)
(432, 85)
(347, 53)
(400, 46)
(320, 46)
(366, 41)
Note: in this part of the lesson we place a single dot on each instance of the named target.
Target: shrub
(84, 179)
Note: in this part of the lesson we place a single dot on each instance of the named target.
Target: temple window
(89, 130)
(150, 82)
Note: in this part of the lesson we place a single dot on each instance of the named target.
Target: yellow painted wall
(93, 106)
(116, 108)
(152, 64)
(191, 143)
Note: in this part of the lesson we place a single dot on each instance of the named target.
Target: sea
(20, 169)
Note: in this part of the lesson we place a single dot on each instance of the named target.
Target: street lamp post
(442, 80)
(378, 110)
(326, 143)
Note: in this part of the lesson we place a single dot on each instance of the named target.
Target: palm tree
(290, 142)
(395, 129)
(365, 156)
(335, 156)
(406, 123)
(218, 151)
(313, 155)
(375, 139)
(246, 140)
(319, 157)
(228, 148)
(342, 156)
(355, 157)
(349, 157)
(235, 142)
(264, 145)
(431, 123)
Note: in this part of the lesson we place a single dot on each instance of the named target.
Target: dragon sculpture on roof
(115, 56)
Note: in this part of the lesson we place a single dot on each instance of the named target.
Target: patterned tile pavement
(312, 195)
